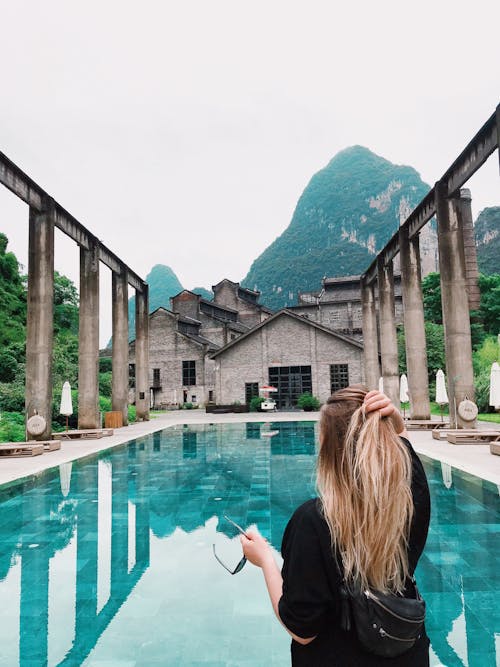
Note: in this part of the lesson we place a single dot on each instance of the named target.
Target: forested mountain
(163, 284)
(346, 214)
(487, 231)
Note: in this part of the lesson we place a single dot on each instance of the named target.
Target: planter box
(221, 409)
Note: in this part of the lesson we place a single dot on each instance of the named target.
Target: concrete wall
(284, 342)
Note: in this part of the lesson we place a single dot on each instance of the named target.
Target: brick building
(338, 305)
(292, 353)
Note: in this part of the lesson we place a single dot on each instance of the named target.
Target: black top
(310, 602)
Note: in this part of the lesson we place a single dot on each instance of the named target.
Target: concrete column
(471, 268)
(119, 398)
(142, 354)
(88, 339)
(40, 325)
(413, 314)
(455, 303)
(387, 324)
(370, 336)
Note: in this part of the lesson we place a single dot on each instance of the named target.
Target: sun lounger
(16, 449)
(424, 424)
(473, 438)
(442, 434)
(90, 433)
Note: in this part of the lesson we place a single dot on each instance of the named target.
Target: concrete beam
(40, 328)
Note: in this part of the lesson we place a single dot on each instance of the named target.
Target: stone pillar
(88, 339)
(142, 354)
(471, 268)
(387, 324)
(370, 336)
(40, 324)
(455, 303)
(413, 314)
(119, 398)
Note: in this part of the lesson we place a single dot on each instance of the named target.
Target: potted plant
(308, 402)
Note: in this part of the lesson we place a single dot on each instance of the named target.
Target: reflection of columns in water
(157, 441)
(86, 548)
(34, 608)
(119, 521)
(189, 443)
(140, 497)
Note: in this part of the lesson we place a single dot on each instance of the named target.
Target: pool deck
(474, 459)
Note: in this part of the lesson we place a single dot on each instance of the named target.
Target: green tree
(489, 310)
(434, 336)
(431, 290)
(65, 304)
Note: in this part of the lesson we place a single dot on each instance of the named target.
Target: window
(291, 382)
(251, 390)
(156, 378)
(131, 376)
(339, 376)
(210, 396)
(189, 373)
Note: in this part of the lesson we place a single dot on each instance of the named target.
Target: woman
(369, 526)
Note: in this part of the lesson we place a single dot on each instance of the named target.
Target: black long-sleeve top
(310, 604)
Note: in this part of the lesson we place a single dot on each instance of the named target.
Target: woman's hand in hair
(375, 400)
(256, 548)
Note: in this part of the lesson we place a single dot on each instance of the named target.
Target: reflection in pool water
(109, 561)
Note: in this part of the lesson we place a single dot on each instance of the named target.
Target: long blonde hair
(364, 483)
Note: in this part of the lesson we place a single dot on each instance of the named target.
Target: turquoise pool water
(108, 562)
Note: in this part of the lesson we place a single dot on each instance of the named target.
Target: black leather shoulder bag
(386, 624)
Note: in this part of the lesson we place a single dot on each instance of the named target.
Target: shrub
(12, 397)
(307, 401)
(187, 406)
(255, 403)
(12, 428)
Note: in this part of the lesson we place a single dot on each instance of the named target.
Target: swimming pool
(108, 562)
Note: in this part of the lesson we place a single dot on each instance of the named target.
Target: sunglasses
(242, 562)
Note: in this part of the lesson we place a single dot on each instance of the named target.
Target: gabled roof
(284, 312)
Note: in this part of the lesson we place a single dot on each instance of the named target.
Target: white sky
(184, 132)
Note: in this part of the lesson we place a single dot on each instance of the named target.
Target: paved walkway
(475, 459)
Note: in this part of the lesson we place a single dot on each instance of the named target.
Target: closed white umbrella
(381, 384)
(403, 391)
(441, 394)
(66, 408)
(495, 385)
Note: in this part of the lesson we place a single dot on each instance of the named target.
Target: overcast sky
(183, 133)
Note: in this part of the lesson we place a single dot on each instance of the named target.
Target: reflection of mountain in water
(185, 479)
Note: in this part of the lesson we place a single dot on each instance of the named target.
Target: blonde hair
(364, 482)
